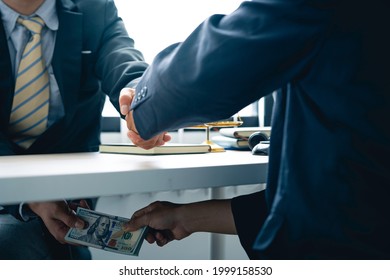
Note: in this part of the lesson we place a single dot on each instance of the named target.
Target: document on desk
(167, 149)
(106, 232)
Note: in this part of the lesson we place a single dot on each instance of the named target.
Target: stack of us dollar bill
(106, 232)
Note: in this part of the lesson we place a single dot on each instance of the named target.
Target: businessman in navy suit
(89, 56)
(328, 181)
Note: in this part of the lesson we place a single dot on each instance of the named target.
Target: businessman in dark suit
(88, 55)
(328, 181)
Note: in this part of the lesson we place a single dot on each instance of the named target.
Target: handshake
(126, 97)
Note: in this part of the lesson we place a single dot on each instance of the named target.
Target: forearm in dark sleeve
(6, 147)
(11, 209)
(249, 212)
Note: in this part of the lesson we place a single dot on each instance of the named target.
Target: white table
(59, 176)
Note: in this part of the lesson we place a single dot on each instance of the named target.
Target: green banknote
(106, 232)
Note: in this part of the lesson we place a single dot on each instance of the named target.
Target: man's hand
(164, 221)
(169, 221)
(125, 99)
(59, 217)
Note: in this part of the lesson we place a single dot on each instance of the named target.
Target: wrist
(32, 206)
(26, 212)
(194, 217)
(209, 216)
(183, 216)
(131, 122)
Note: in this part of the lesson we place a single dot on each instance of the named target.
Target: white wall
(156, 24)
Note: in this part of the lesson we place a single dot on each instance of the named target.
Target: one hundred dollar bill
(106, 232)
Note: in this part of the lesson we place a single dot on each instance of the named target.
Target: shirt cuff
(25, 212)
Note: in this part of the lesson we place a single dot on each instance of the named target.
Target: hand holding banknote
(106, 232)
(169, 221)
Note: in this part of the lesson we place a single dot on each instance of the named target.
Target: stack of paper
(237, 137)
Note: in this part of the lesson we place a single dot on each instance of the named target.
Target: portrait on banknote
(97, 232)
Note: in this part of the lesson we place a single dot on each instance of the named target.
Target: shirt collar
(9, 18)
(47, 11)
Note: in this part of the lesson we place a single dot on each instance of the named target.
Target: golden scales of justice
(213, 146)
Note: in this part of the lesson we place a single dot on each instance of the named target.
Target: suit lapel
(67, 54)
(6, 80)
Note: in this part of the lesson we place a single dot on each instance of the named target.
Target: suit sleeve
(229, 62)
(249, 212)
(7, 150)
(119, 62)
(6, 147)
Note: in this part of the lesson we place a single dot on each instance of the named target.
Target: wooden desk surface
(59, 176)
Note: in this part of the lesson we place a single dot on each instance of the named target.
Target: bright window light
(156, 24)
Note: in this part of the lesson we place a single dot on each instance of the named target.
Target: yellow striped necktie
(30, 105)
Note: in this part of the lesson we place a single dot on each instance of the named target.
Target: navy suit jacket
(329, 164)
(93, 57)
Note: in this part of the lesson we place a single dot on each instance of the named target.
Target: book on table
(230, 142)
(167, 149)
(244, 132)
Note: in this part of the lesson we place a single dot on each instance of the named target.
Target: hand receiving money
(106, 232)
